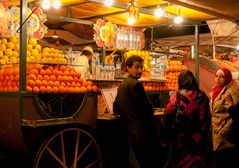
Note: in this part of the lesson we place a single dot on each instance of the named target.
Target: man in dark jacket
(137, 116)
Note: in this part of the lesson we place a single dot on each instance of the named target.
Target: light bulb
(46, 4)
(131, 20)
(238, 47)
(108, 2)
(56, 4)
(178, 19)
(159, 12)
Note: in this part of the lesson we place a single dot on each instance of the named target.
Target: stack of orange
(174, 68)
(45, 79)
(9, 78)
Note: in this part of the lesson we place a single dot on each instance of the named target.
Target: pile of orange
(45, 79)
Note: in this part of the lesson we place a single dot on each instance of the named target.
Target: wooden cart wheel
(58, 105)
(70, 148)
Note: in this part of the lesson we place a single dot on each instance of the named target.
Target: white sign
(109, 95)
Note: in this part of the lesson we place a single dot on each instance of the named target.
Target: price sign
(109, 95)
(134, 12)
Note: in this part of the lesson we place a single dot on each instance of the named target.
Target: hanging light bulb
(159, 12)
(178, 19)
(131, 20)
(55, 35)
(56, 4)
(108, 2)
(238, 47)
(46, 4)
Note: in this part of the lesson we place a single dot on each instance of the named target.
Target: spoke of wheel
(91, 164)
(84, 150)
(54, 156)
(82, 153)
(76, 149)
(63, 149)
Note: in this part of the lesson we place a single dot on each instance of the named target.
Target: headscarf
(186, 80)
(228, 78)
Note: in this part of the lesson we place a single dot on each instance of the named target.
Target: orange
(83, 89)
(66, 73)
(61, 89)
(32, 76)
(42, 72)
(89, 88)
(31, 83)
(42, 89)
(62, 68)
(50, 83)
(33, 71)
(53, 77)
(50, 68)
(36, 89)
(77, 89)
(54, 89)
(48, 72)
(84, 83)
(57, 84)
(55, 72)
(48, 89)
(94, 88)
(12, 77)
(59, 78)
(89, 83)
(46, 77)
(28, 89)
(38, 82)
(39, 77)
(63, 84)
(44, 83)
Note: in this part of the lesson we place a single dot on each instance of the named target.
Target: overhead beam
(200, 8)
(68, 19)
(146, 11)
(104, 15)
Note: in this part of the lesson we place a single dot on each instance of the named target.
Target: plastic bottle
(118, 68)
(93, 67)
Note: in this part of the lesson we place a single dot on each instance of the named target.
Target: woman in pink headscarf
(222, 111)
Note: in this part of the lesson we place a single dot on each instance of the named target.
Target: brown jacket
(222, 109)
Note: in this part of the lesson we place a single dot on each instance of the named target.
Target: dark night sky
(169, 31)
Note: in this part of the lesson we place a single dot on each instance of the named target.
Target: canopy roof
(77, 16)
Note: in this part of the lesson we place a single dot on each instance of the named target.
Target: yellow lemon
(3, 47)
(29, 47)
(13, 59)
(35, 52)
(1, 54)
(32, 41)
(17, 47)
(38, 47)
(28, 53)
(46, 49)
(6, 58)
(10, 45)
(2, 61)
(13, 39)
(45, 54)
(4, 41)
(8, 52)
(52, 50)
(15, 54)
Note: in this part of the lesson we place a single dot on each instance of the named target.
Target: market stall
(45, 104)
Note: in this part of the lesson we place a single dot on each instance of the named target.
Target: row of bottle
(104, 72)
(128, 39)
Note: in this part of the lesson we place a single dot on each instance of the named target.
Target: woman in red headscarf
(222, 111)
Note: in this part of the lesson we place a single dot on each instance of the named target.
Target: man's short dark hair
(132, 59)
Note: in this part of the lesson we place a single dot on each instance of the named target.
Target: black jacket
(136, 112)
